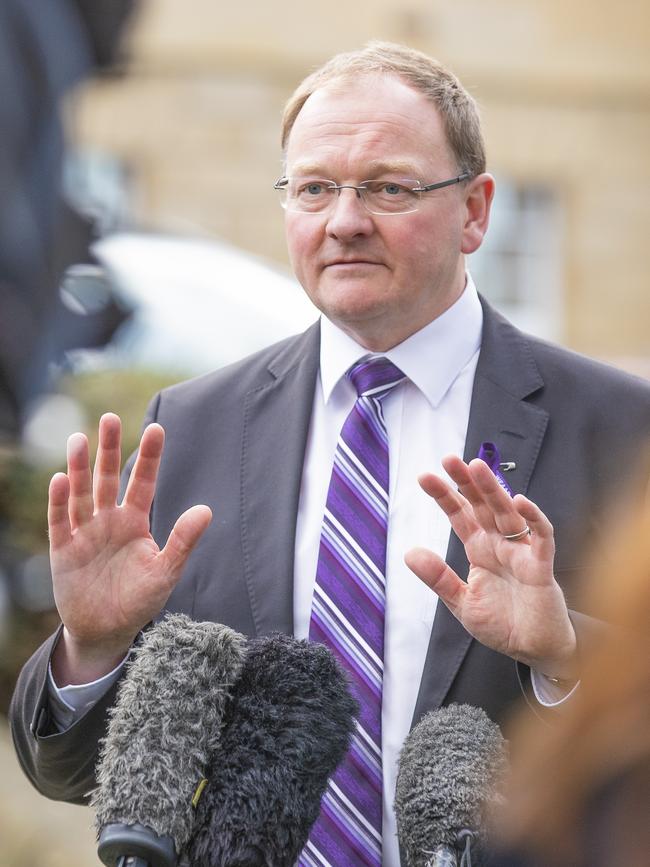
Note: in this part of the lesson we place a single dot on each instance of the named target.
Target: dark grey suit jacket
(236, 440)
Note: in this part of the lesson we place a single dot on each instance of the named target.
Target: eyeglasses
(383, 197)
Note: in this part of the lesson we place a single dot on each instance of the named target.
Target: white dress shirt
(426, 419)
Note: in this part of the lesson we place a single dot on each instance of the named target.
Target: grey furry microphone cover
(166, 725)
(288, 726)
(451, 769)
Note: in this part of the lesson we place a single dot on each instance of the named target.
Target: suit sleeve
(61, 765)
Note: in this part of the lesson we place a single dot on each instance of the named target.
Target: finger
(80, 504)
(58, 518)
(458, 471)
(183, 538)
(542, 538)
(106, 475)
(142, 482)
(507, 519)
(437, 575)
(453, 504)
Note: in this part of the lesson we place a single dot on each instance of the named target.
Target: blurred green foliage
(126, 392)
(23, 499)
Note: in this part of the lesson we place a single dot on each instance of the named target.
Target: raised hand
(511, 601)
(109, 575)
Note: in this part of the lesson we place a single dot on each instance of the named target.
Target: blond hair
(457, 108)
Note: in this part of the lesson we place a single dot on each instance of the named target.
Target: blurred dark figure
(46, 47)
(580, 794)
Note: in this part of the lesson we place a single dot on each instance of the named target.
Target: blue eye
(393, 189)
(310, 194)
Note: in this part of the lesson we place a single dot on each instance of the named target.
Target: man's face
(381, 278)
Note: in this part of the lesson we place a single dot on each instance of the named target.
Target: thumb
(183, 538)
(441, 578)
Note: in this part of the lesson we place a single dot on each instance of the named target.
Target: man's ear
(478, 200)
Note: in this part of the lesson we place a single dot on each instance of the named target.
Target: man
(385, 192)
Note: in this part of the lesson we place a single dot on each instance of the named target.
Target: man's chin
(352, 291)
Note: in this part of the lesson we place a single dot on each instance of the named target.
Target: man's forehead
(378, 120)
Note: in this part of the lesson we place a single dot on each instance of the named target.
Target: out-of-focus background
(172, 154)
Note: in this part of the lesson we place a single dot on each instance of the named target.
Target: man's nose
(347, 216)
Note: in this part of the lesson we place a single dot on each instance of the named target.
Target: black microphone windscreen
(165, 726)
(288, 726)
(451, 768)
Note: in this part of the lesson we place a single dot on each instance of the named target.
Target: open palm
(109, 575)
(511, 601)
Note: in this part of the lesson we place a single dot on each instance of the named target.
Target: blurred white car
(198, 303)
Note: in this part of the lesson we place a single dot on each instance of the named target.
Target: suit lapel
(276, 423)
(506, 375)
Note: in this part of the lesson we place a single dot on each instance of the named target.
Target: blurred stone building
(187, 139)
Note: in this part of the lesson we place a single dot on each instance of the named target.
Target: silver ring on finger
(514, 537)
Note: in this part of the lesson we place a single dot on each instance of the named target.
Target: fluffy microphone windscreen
(451, 768)
(165, 726)
(287, 727)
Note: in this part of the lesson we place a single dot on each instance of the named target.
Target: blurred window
(519, 266)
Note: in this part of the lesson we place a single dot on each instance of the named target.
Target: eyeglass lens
(385, 196)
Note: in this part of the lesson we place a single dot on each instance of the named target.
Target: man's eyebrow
(305, 168)
(373, 169)
(392, 167)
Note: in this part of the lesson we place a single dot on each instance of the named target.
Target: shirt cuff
(69, 703)
(549, 693)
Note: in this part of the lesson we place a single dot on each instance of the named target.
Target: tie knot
(375, 376)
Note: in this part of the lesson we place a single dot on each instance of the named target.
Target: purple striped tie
(348, 616)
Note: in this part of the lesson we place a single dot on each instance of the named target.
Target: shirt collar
(431, 358)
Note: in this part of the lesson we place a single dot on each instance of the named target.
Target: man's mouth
(346, 262)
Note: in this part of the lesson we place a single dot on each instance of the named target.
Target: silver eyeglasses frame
(282, 182)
